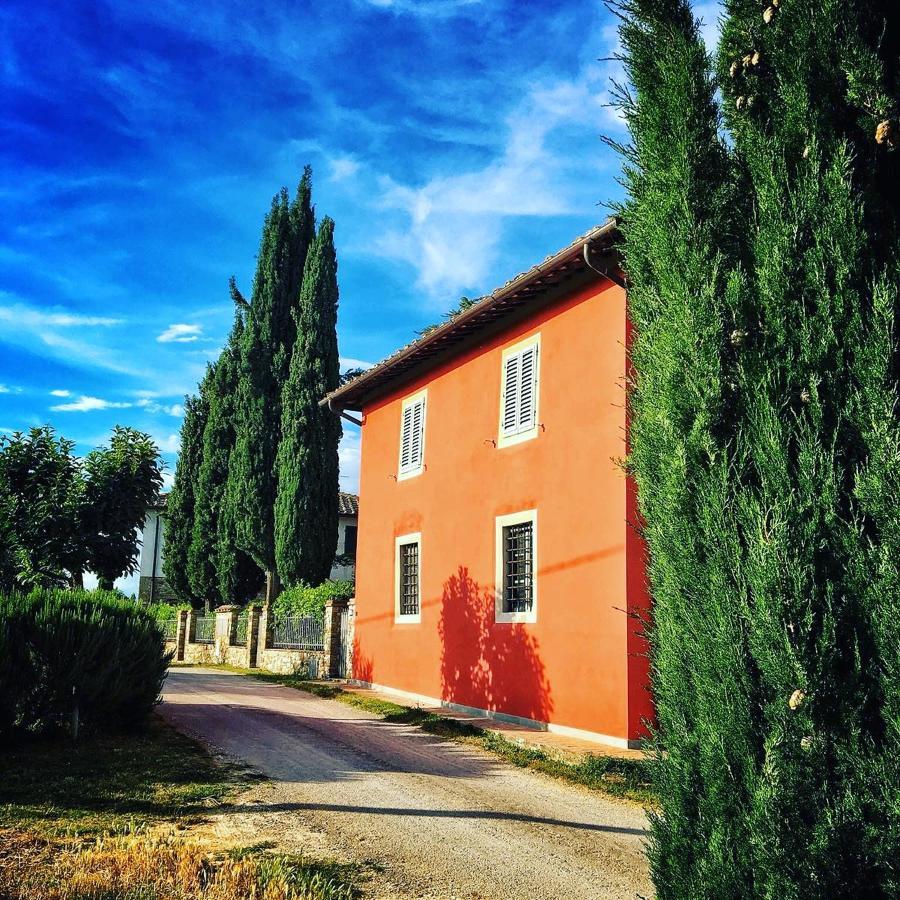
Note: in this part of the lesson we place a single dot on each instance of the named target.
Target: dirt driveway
(435, 818)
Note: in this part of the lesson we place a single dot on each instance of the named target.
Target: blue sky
(454, 142)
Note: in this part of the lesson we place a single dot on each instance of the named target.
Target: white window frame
(411, 471)
(501, 522)
(413, 538)
(508, 438)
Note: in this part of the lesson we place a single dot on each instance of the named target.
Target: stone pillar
(332, 638)
(181, 634)
(264, 635)
(191, 625)
(252, 647)
(225, 624)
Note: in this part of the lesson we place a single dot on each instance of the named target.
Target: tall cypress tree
(219, 569)
(764, 442)
(180, 503)
(306, 512)
(266, 350)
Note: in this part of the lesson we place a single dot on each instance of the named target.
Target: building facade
(498, 568)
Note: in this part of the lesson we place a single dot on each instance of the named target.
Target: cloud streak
(89, 404)
(180, 333)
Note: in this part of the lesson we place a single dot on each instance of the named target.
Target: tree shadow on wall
(361, 665)
(484, 664)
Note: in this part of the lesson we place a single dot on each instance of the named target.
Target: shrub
(310, 601)
(163, 612)
(69, 656)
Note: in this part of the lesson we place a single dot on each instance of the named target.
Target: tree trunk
(77, 581)
(105, 584)
(273, 587)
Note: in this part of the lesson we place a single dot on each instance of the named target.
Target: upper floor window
(412, 436)
(350, 541)
(516, 549)
(519, 392)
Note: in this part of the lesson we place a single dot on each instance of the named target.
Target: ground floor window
(516, 544)
(408, 589)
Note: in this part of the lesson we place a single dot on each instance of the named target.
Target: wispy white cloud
(342, 168)
(22, 316)
(173, 409)
(60, 393)
(169, 443)
(180, 333)
(348, 362)
(453, 224)
(89, 404)
(4, 389)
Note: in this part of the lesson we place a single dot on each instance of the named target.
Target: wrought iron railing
(205, 630)
(240, 631)
(296, 633)
(170, 629)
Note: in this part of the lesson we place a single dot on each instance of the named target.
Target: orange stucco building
(498, 568)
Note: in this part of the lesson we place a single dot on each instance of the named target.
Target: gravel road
(437, 818)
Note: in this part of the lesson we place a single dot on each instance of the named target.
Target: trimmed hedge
(67, 655)
(310, 601)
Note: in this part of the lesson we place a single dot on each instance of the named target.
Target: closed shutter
(406, 439)
(527, 388)
(519, 395)
(412, 436)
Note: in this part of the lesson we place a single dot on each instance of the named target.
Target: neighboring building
(345, 559)
(498, 567)
(153, 588)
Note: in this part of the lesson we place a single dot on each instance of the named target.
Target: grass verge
(612, 775)
(111, 818)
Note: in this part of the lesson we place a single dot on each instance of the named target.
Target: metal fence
(170, 629)
(240, 631)
(205, 630)
(295, 633)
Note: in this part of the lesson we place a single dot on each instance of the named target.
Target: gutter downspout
(343, 414)
(585, 252)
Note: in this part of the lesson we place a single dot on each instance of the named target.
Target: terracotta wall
(572, 666)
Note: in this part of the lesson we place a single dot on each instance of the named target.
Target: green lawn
(110, 818)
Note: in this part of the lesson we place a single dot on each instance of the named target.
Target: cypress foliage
(764, 291)
(201, 562)
(180, 503)
(266, 350)
(306, 512)
(218, 567)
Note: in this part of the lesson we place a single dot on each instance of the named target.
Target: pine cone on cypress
(886, 133)
(769, 14)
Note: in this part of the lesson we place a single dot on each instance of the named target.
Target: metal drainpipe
(344, 415)
(613, 278)
(155, 558)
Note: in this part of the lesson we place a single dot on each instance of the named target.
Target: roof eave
(373, 381)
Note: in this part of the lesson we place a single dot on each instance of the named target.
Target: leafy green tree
(763, 290)
(42, 499)
(181, 499)
(120, 482)
(306, 512)
(267, 345)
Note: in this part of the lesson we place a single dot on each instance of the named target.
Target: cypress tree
(266, 350)
(764, 288)
(219, 569)
(201, 569)
(180, 503)
(306, 512)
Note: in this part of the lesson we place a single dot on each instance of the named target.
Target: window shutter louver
(527, 388)
(415, 453)
(510, 395)
(406, 439)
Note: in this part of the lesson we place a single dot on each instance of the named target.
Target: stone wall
(258, 651)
